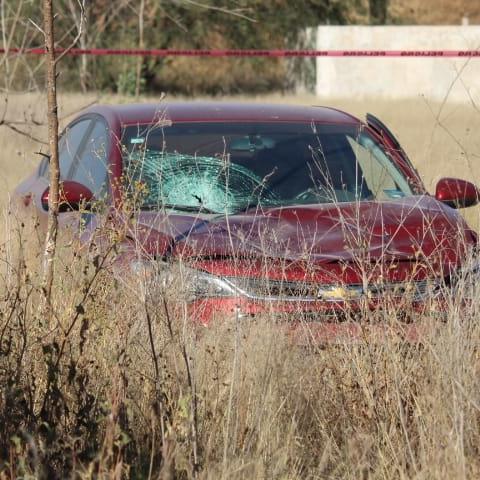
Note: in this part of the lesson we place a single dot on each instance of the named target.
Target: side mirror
(457, 193)
(72, 195)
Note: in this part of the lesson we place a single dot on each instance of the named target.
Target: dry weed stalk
(126, 386)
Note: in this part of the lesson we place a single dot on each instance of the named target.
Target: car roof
(199, 111)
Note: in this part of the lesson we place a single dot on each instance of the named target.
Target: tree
(258, 24)
(52, 123)
(52, 119)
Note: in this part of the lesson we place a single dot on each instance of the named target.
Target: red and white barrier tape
(250, 53)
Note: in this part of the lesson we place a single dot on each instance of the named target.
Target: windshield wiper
(181, 208)
(246, 207)
(256, 204)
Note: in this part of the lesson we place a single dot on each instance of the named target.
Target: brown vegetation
(434, 12)
(121, 387)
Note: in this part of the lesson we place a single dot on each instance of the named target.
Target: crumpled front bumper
(308, 322)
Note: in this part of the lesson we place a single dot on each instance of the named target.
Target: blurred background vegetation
(192, 24)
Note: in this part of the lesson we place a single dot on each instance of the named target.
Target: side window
(91, 167)
(383, 179)
(68, 145)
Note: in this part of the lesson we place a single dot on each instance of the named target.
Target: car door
(90, 169)
(29, 216)
(70, 146)
(391, 142)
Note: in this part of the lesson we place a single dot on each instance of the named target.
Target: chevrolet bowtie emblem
(339, 293)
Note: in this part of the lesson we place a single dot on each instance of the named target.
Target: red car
(305, 211)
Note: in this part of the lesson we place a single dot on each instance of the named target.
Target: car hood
(402, 229)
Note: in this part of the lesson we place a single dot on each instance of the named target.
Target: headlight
(186, 283)
(199, 284)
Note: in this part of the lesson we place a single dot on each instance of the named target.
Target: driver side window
(90, 168)
(68, 145)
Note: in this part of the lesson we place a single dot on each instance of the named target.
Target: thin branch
(81, 4)
(7, 42)
(22, 122)
(109, 19)
(140, 46)
(37, 27)
(44, 155)
(235, 13)
(21, 132)
(176, 21)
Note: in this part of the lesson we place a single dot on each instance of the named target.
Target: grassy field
(118, 384)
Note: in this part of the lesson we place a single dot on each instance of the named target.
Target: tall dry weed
(125, 385)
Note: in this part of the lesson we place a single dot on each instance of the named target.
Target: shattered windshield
(231, 167)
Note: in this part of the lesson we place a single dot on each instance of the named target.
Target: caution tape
(246, 53)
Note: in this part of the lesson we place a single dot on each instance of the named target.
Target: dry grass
(118, 386)
(434, 12)
(121, 385)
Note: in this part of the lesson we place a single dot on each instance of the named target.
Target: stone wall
(458, 79)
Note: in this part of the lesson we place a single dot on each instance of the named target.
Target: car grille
(265, 289)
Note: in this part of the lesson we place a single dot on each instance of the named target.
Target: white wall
(398, 77)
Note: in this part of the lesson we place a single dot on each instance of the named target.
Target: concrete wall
(431, 78)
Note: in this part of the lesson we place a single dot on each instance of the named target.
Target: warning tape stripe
(249, 53)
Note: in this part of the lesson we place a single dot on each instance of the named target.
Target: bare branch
(81, 4)
(12, 127)
(44, 155)
(141, 45)
(110, 19)
(8, 41)
(235, 13)
(37, 27)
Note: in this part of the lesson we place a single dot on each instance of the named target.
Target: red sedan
(303, 211)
